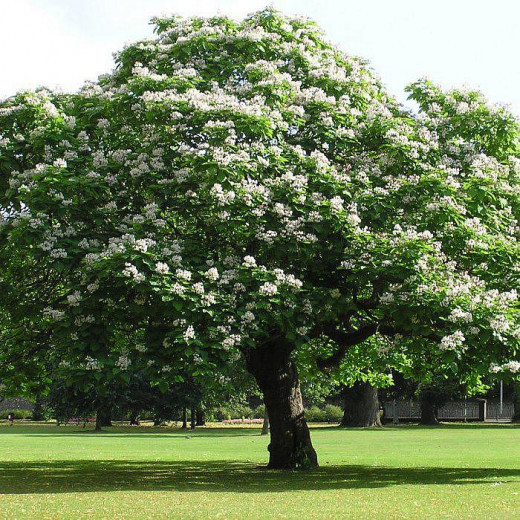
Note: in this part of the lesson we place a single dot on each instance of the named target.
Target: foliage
(334, 413)
(315, 414)
(231, 411)
(18, 413)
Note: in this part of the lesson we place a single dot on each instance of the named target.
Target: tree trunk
(271, 365)
(428, 413)
(106, 417)
(37, 414)
(184, 418)
(361, 406)
(99, 419)
(200, 418)
(193, 422)
(265, 425)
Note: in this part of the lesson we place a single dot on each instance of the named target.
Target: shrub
(334, 413)
(314, 414)
(18, 414)
(258, 412)
(242, 411)
(232, 411)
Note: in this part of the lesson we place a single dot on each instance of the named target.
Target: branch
(344, 340)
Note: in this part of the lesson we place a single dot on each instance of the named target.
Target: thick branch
(344, 340)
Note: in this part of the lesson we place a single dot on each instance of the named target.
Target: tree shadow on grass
(222, 476)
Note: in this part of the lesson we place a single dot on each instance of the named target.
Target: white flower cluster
(288, 279)
(74, 299)
(222, 197)
(189, 334)
(123, 362)
(458, 315)
(183, 274)
(511, 366)
(499, 323)
(452, 341)
(53, 314)
(231, 341)
(178, 289)
(249, 261)
(198, 288)
(268, 289)
(131, 271)
(91, 363)
(162, 268)
(212, 274)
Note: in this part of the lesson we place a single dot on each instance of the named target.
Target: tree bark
(37, 414)
(265, 425)
(361, 406)
(99, 420)
(271, 365)
(103, 416)
(428, 413)
(106, 417)
(200, 418)
(184, 418)
(193, 422)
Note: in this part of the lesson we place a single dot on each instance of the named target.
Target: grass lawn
(457, 471)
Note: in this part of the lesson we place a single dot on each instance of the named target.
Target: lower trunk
(428, 413)
(277, 377)
(361, 406)
(200, 418)
(106, 417)
(134, 420)
(99, 420)
(265, 425)
(184, 418)
(193, 423)
(37, 414)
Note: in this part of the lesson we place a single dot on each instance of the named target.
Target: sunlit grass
(404, 472)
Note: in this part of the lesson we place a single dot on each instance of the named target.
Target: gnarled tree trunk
(361, 406)
(271, 365)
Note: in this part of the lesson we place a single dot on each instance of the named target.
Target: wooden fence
(462, 410)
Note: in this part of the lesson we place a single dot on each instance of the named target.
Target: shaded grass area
(222, 476)
(455, 471)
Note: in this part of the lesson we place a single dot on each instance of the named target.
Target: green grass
(396, 472)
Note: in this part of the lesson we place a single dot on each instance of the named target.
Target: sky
(475, 43)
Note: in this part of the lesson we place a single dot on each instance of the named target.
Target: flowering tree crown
(231, 181)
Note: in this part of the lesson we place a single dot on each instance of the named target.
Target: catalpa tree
(238, 189)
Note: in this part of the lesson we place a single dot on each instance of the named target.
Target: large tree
(240, 188)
